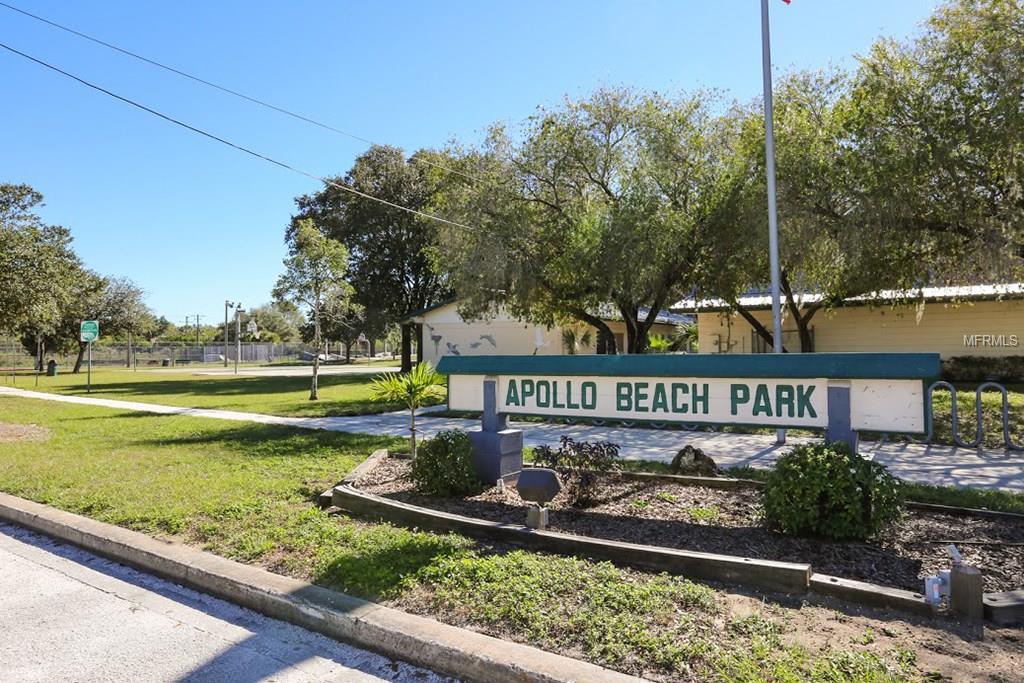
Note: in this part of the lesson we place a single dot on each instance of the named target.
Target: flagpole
(773, 226)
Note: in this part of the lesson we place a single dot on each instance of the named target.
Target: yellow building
(440, 331)
(981, 320)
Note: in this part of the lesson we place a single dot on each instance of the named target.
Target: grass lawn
(288, 396)
(350, 395)
(246, 492)
(991, 402)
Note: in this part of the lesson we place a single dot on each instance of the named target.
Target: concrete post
(966, 591)
(840, 427)
(497, 450)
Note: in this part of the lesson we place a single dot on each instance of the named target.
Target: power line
(240, 148)
(224, 89)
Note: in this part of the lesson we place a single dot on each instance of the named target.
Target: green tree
(828, 245)
(606, 202)
(117, 303)
(314, 273)
(941, 125)
(414, 389)
(125, 312)
(342, 320)
(161, 327)
(389, 249)
(39, 271)
(904, 174)
(277, 321)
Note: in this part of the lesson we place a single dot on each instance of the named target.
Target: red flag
(786, 1)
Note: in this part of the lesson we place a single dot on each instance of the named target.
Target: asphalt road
(67, 615)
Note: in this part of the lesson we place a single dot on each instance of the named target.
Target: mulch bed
(728, 522)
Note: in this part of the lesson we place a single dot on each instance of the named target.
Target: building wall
(446, 333)
(939, 328)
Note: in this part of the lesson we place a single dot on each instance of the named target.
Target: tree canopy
(389, 250)
(903, 174)
(600, 206)
(38, 268)
(314, 274)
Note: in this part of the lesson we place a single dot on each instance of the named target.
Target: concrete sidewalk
(924, 463)
(68, 615)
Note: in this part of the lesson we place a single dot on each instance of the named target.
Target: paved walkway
(930, 464)
(68, 615)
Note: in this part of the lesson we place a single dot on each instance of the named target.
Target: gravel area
(716, 521)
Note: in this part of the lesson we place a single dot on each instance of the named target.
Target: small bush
(578, 464)
(824, 490)
(444, 466)
(983, 369)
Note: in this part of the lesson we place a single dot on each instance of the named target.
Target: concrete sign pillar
(840, 419)
(497, 450)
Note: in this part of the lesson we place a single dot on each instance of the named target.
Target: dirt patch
(18, 432)
(728, 522)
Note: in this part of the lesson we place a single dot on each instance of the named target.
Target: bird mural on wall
(436, 338)
(489, 338)
(453, 349)
(539, 342)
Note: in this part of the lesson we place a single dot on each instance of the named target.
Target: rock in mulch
(692, 462)
(728, 522)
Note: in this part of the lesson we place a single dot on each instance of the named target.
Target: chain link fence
(14, 356)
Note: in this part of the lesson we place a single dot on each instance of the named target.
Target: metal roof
(1011, 290)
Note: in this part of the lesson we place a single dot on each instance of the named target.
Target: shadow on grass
(251, 393)
(385, 560)
(277, 441)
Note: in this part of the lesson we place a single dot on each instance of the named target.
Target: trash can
(166, 363)
(51, 368)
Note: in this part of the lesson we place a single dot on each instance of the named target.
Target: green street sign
(89, 330)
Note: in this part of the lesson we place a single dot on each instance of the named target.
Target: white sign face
(89, 330)
(876, 405)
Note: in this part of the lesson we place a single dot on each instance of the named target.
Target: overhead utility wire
(224, 89)
(165, 117)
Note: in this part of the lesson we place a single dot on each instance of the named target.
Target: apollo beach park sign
(840, 392)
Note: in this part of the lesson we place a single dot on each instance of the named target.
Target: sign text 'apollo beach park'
(659, 399)
(885, 392)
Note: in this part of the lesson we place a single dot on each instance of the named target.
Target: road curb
(418, 640)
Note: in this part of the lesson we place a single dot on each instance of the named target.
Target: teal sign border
(923, 366)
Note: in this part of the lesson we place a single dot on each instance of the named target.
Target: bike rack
(978, 411)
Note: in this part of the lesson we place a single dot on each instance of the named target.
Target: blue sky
(194, 222)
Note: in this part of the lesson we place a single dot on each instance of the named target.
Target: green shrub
(444, 466)
(824, 490)
(983, 369)
(579, 464)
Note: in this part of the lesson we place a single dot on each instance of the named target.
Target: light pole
(201, 351)
(773, 225)
(227, 305)
(238, 333)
